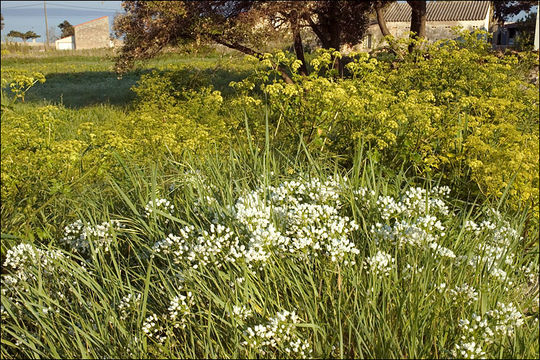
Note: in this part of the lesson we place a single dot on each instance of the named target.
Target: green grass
(344, 310)
(73, 305)
(77, 81)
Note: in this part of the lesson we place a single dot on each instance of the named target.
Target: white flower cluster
(180, 307)
(380, 263)
(295, 218)
(412, 221)
(494, 328)
(128, 305)
(464, 292)
(415, 202)
(505, 319)
(493, 249)
(4, 314)
(440, 287)
(156, 326)
(403, 233)
(216, 246)
(241, 312)
(78, 236)
(362, 196)
(531, 272)
(441, 251)
(277, 334)
(22, 265)
(159, 204)
(22, 259)
(23, 255)
(469, 350)
(153, 328)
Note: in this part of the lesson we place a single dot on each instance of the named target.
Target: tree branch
(316, 29)
(248, 51)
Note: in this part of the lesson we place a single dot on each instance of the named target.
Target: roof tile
(440, 11)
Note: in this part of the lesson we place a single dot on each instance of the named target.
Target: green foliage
(116, 299)
(66, 28)
(189, 153)
(20, 83)
(50, 152)
(24, 36)
(526, 28)
(449, 109)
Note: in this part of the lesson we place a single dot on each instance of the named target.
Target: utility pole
(536, 34)
(46, 24)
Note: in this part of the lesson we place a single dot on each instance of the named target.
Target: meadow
(199, 206)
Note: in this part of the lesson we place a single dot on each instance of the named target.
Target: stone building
(93, 34)
(441, 17)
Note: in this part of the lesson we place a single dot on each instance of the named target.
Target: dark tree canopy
(503, 10)
(150, 26)
(66, 28)
(339, 22)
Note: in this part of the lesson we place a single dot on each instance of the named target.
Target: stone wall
(92, 34)
(435, 30)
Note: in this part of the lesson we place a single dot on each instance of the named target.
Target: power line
(19, 6)
(81, 7)
(59, 5)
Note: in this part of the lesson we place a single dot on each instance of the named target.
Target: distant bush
(176, 112)
(46, 154)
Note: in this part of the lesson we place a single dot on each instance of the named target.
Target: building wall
(93, 34)
(64, 43)
(435, 30)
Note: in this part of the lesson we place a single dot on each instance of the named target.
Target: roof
(86, 22)
(440, 11)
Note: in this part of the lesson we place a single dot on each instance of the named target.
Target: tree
(2, 26)
(24, 36)
(66, 28)
(379, 11)
(418, 20)
(526, 31)
(53, 35)
(503, 10)
(337, 23)
(150, 26)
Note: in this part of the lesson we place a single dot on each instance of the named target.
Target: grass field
(116, 244)
(66, 74)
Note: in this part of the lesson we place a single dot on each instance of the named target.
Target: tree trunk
(334, 32)
(381, 21)
(418, 20)
(298, 46)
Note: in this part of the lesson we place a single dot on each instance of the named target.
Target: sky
(29, 15)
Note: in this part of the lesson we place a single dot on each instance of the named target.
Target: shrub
(450, 109)
(50, 152)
